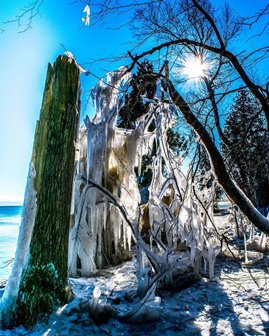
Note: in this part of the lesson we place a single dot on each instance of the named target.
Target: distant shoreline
(11, 204)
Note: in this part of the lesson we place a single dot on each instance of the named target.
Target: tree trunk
(54, 158)
(43, 277)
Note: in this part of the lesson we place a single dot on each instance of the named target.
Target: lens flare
(195, 68)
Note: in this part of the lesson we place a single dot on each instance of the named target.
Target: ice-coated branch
(114, 199)
(132, 224)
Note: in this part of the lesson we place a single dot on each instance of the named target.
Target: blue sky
(24, 58)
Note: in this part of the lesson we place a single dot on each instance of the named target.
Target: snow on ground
(236, 303)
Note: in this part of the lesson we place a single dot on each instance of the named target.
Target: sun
(195, 68)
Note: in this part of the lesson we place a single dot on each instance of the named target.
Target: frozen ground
(236, 303)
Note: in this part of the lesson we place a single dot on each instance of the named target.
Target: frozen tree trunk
(44, 231)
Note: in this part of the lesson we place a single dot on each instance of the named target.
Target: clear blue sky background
(23, 64)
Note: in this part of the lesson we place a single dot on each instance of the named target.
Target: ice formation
(87, 12)
(176, 217)
(9, 298)
(99, 235)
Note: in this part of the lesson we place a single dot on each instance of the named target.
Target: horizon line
(11, 203)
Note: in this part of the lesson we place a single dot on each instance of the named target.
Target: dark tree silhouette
(248, 150)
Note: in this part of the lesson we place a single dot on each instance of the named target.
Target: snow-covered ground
(236, 303)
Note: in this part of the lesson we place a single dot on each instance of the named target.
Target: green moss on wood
(41, 293)
(53, 156)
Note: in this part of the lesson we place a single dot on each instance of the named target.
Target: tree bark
(40, 283)
(54, 158)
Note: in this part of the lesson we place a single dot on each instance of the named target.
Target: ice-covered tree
(142, 91)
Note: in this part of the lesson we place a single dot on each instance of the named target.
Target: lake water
(10, 217)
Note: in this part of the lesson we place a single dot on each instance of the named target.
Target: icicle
(87, 12)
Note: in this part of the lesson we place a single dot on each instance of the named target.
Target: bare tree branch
(28, 13)
(217, 163)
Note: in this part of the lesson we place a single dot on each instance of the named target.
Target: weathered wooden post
(54, 158)
(39, 277)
